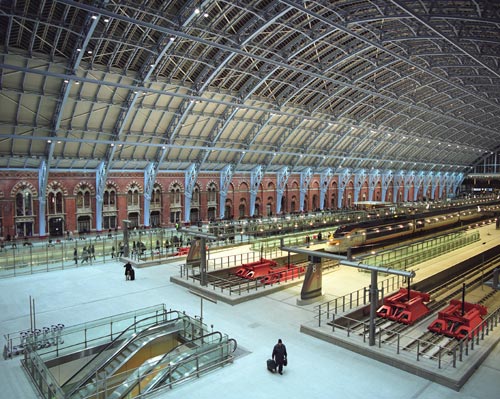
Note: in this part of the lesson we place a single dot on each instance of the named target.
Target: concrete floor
(316, 368)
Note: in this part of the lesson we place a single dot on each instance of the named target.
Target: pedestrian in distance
(279, 355)
(129, 271)
(85, 255)
(75, 256)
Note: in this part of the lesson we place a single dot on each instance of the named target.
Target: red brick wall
(266, 194)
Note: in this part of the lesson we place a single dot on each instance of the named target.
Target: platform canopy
(307, 85)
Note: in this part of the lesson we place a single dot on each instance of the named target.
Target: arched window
(83, 210)
(109, 197)
(55, 204)
(175, 195)
(195, 201)
(83, 199)
(24, 219)
(24, 203)
(133, 196)
(110, 210)
(156, 196)
(212, 193)
(156, 206)
(269, 206)
(175, 203)
(212, 201)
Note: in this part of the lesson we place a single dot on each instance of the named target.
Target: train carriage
(379, 231)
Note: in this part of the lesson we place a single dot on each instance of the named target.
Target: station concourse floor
(316, 369)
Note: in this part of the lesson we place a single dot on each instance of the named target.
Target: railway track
(472, 279)
(227, 280)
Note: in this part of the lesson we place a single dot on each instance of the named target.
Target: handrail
(70, 342)
(90, 374)
(33, 366)
(186, 359)
(165, 357)
(235, 343)
(453, 354)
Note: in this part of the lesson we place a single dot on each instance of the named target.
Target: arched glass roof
(385, 84)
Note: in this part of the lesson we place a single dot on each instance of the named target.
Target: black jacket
(279, 353)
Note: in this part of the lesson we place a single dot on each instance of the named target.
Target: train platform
(316, 368)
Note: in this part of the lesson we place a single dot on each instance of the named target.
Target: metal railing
(421, 349)
(184, 362)
(85, 335)
(231, 287)
(35, 358)
(404, 257)
(353, 300)
(34, 256)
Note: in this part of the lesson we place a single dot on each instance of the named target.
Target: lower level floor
(316, 368)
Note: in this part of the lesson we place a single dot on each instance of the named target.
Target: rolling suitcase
(271, 365)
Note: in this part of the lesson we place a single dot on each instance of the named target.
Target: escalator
(189, 359)
(87, 380)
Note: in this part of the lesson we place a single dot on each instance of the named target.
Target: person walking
(129, 271)
(279, 355)
(85, 255)
(75, 256)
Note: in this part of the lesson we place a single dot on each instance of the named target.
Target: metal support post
(373, 306)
